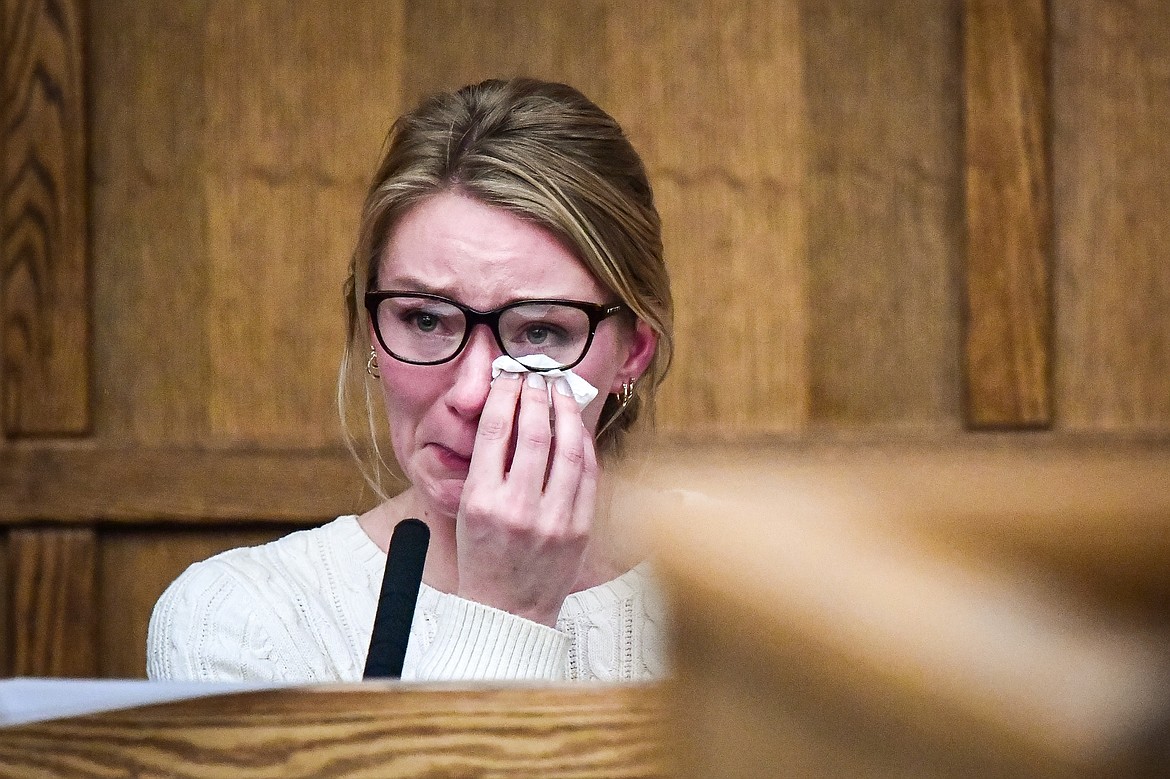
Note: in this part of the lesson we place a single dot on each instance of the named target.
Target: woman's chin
(443, 496)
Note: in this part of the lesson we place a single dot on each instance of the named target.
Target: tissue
(583, 391)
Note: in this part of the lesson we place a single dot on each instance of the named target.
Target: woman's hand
(527, 506)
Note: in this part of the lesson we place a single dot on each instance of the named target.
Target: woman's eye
(537, 334)
(422, 321)
(544, 335)
(426, 322)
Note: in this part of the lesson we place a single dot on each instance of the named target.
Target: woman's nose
(473, 374)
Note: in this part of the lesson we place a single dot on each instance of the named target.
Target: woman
(507, 219)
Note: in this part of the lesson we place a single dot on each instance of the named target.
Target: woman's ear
(642, 345)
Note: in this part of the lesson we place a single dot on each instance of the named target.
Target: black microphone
(400, 583)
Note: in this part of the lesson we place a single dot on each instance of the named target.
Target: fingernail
(535, 380)
(508, 375)
(562, 385)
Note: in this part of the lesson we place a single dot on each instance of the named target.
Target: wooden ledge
(385, 730)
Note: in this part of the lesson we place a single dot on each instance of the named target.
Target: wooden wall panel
(1111, 195)
(291, 148)
(229, 182)
(859, 103)
(712, 93)
(1008, 315)
(449, 43)
(884, 214)
(134, 567)
(148, 217)
(44, 332)
(54, 610)
(278, 326)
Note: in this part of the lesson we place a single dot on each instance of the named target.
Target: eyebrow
(414, 285)
(411, 283)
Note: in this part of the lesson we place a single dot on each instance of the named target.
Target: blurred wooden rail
(896, 614)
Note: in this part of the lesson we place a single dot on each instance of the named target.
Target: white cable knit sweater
(301, 609)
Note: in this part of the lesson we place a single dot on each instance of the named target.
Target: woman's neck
(441, 570)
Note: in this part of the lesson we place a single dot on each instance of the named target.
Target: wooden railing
(899, 613)
(376, 730)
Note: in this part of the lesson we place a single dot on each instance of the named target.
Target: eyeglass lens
(425, 330)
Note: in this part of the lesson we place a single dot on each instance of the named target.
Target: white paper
(25, 700)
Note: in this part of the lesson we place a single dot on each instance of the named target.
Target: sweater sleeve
(477, 642)
(208, 627)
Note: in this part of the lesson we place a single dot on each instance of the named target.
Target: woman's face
(483, 257)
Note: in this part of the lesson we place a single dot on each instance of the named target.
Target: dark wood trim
(86, 485)
(44, 287)
(54, 603)
(1007, 338)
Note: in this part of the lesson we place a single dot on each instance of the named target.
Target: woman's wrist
(477, 641)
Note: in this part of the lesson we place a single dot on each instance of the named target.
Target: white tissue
(583, 391)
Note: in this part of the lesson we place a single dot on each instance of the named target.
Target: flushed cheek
(592, 413)
(408, 403)
(594, 372)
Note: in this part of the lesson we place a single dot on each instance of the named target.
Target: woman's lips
(452, 459)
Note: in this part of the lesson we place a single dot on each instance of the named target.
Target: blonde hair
(544, 152)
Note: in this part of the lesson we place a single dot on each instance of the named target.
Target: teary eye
(424, 321)
(537, 334)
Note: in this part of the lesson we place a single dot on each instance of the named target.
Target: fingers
(493, 438)
(548, 467)
(569, 449)
(533, 433)
(583, 508)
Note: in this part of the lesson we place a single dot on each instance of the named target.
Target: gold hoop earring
(372, 365)
(626, 393)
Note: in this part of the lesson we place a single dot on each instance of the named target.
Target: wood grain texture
(1111, 163)
(54, 606)
(160, 485)
(367, 731)
(884, 205)
(1007, 339)
(291, 148)
(449, 43)
(277, 332)
(149, 219)
(136, 565)
(43, 219)
(713, 95)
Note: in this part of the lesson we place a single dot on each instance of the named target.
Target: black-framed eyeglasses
(423, 329)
